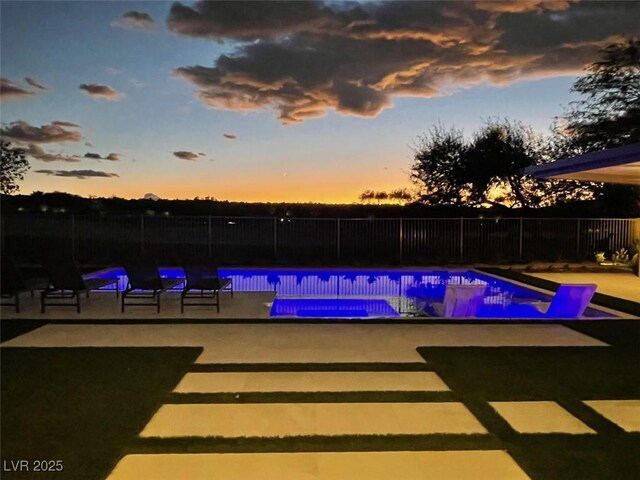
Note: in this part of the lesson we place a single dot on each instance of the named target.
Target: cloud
(134, 20)
(101, 91)
(11, 91)
(80, 174)
(247, 20)
(36, 152)
(186, 155)
(304, 59)
(230, 136)
(35, 84)
(96, 156)
(55, 132)
(62, 123)
(519, 6)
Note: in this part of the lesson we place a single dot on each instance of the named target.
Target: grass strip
(345, 443)
(311, 367)
(82, 405)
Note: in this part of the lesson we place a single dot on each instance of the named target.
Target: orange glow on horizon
(291, 188)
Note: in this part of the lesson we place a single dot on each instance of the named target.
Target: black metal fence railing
(268, 240)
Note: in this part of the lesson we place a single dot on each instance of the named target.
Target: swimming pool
(379, 293)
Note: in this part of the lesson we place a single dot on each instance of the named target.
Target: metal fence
(268, 240)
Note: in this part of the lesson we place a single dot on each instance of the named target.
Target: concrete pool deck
(621, 284)
(105, 306)
(304, 343)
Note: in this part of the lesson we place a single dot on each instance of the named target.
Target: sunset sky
(268, 101)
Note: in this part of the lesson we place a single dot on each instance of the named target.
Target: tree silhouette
(439, 166)
(609, 116)
(401, 195)
(367, 196)
(13, 166)
(487, 170)
(381, 196)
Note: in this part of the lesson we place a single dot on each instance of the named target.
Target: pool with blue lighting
(379, 293)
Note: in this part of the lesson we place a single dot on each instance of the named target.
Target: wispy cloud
(186, 155)
(306, 58)
(54, 132)
(36, 152)
(114, 157)
(10, 91)
(101, 91)
(133, 20)
(80, 174)
(62, 123)
(35, 84)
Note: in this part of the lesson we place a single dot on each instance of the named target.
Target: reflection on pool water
(365, 293)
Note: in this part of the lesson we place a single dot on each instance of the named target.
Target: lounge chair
(569, 301)
(204, 279)
(12, 283)
(460, 301)
(66, 282)
(145, 282)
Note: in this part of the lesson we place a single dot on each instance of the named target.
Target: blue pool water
(364, 293)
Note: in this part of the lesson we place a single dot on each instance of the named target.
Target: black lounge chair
(145, 282)
(12, 283)
(67, 283)
(204, 279)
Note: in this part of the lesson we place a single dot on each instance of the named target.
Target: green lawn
(82, 406)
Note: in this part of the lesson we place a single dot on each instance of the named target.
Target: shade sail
(615, 165)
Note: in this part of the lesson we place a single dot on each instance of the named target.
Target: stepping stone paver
(539, 417)
(431, 465)
(238, 382)
(624, 413)
(304, 419)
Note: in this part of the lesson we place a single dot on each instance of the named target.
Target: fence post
(401, 232)
(338, 236)
(275, 237)
(73, 237)
(209, 239)
(461, 240)
(520, 246)
(141, 234)
(578, 230)
(3, 230)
